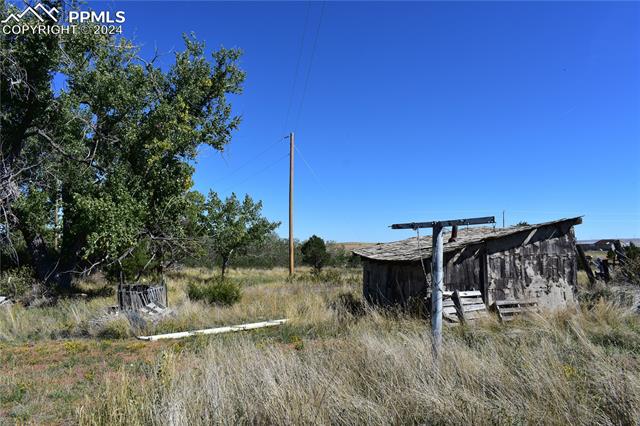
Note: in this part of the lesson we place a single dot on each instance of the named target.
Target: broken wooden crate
(449, 308)
(470, 305)
(460, 306)
(509, 309)
(147, 299)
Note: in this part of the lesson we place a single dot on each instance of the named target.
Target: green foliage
(111, 153)
(140, 260)
(216, 291)
(272, 252)
(16, 282)
(632, 251)
(233, 226)
(522, 223)
(314, 253)
(341, 258)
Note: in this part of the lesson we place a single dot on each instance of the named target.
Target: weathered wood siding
(390, 283)
(544, 268)
(539, 264)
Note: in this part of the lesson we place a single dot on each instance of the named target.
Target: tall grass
(266, 294)
(329, 367)
(570, 368)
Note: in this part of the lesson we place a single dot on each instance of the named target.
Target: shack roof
(410, 250)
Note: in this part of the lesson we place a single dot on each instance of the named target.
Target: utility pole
(437, 266)
(291, 248)
(503, 218)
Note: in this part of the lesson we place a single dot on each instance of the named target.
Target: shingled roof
(409, 250)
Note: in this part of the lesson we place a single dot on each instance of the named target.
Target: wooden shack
(534, 262)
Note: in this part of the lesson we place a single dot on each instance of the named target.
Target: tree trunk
(43, 265)
(223, 267)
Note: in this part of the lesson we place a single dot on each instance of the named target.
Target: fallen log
(219, 330)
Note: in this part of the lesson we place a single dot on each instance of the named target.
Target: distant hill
(635, 241)
(350, 245)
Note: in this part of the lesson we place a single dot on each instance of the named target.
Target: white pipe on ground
(218, 330)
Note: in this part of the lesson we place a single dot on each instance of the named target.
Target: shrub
(347, 304)
(218, 291)
(16, 282)
(116, 328)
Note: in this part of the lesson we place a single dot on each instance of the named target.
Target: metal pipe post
(437, 287)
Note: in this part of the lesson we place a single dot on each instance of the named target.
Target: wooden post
(291, 248)
(605, 270)
(437, 287)
(585, 265)
(619, 252)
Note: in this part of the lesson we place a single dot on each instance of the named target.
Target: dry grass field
(323, 367)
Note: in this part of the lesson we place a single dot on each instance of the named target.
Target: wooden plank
(509, 309)
(474, 308)
(620, 254)
(471, 301)
(516, 310)
(218, 330)
(449, 309)
(470, 305)
(585, 265)
(516, 302)
(469, 293)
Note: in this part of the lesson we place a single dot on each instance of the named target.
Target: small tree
(233, 226)
(314, 253)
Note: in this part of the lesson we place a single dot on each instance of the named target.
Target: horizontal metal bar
(451, 222)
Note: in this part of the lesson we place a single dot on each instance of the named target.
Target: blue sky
(421, 111)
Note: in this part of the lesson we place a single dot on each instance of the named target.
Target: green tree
(632, 251)
(314, 253)
(233, 226)
(93, 170)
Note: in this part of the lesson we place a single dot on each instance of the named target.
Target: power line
(295, 75)
(313, 51)
(270, 165)
(255, 157)
(306, 163)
